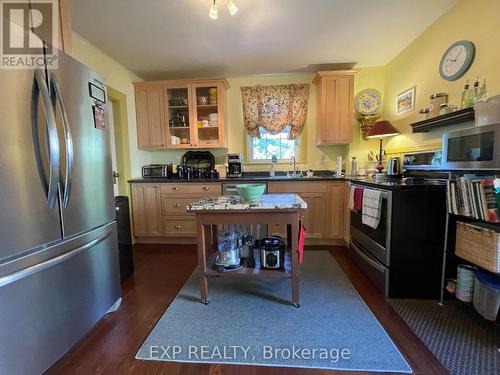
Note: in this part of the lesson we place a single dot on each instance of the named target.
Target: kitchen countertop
(234, 202)
(248, 176)
(318, 176)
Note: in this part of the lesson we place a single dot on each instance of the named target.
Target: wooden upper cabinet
(335, 91)
(181, 114)
(149, 115)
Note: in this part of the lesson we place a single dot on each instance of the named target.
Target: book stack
(475, 196)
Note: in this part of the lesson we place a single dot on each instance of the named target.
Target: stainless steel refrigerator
(59, 271)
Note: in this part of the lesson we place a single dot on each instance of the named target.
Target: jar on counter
(423, 114)
(436, 100)
(444, 109)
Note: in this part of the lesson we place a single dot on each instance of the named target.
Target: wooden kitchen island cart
(284, 209)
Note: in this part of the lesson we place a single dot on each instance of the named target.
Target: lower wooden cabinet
(146, 210)
(181, 226)
(336, 213)
(316, 195)
(159, 210)
(315, 218)
(324, 217)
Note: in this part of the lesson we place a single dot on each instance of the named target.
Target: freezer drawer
(43, 314)
(375, 271)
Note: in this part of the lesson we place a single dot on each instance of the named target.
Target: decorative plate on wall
(368, 102)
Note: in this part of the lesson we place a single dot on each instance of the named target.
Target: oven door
(376, 241)
(475, 148)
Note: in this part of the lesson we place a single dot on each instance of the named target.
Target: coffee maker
(235, 165)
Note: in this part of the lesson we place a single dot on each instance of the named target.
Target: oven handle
(385, 194)
(367, 258)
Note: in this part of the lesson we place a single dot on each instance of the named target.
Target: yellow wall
(417, 65)
(366, 78)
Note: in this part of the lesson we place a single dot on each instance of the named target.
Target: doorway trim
(122, 146)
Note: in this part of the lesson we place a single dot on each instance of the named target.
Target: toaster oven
(157, 171)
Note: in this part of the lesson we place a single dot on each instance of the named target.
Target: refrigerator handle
(49, 187)
(21, 274)
(57, 101)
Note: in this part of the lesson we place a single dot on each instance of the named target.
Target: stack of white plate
(465, 283)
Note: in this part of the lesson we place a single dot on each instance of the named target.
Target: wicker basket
(479, 244)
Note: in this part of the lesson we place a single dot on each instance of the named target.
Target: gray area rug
(460, 338)
(250, 321)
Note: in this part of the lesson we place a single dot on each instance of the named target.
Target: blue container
(487, 294)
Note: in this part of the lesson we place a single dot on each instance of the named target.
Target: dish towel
(302, 235)
(358, 198)
(372, 207)
(350, 204)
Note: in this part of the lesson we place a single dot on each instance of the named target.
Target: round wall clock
(457, 60)
(368, 102)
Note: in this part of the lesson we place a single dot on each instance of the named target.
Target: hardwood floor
(161, 271)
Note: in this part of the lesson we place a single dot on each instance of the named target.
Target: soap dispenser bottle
(272, 170)
(354, 167)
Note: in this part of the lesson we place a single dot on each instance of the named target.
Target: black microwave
(157, 171)
(474, 148)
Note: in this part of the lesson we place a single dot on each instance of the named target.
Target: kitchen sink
(284, 177)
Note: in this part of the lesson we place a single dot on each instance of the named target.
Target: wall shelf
(462, 115)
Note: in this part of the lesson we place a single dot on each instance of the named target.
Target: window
(262, 149)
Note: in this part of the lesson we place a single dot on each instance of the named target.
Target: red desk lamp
(381, 129)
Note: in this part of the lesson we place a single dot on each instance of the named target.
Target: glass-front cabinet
(195, 114)
(178, 116)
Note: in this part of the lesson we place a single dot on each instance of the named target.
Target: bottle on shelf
(481, 92)
(476, 89)
(467, 96)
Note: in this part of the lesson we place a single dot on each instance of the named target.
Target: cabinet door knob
(205, 188)
(178, 226)
(177, 205)
(175, 188)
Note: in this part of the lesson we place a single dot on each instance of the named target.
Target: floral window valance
(274, 108)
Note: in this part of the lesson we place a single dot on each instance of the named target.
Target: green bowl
(251, 192)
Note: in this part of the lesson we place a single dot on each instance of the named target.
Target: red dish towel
(302, 234)
(358, 198)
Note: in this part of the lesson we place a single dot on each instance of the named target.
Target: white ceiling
(176, 38)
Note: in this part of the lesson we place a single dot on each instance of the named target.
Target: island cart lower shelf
(271, 209)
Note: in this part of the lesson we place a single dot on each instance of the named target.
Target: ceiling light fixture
(213, 10)
(230, 6)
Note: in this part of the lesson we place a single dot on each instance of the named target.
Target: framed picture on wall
(405, 101)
